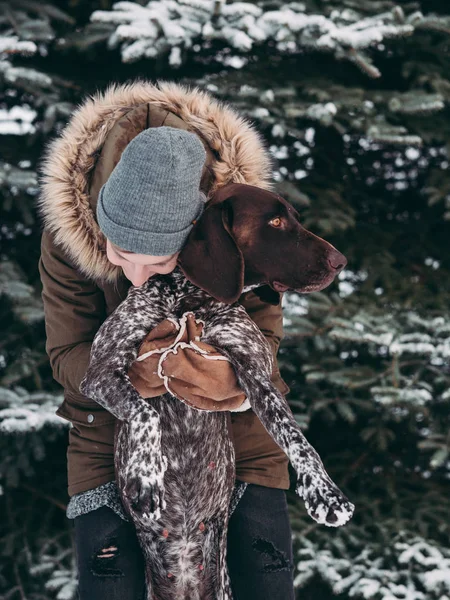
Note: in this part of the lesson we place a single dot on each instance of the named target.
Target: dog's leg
(225, 583)
(218, 586)
(114, 348)
(324, 501)
(238, 338)
(140, 469)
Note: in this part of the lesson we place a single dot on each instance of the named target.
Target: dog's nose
(337, 260)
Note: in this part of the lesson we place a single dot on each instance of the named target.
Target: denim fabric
(260, 560)
(117, 577)
(259, 551)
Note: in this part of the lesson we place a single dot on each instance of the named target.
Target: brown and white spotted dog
(175, 464)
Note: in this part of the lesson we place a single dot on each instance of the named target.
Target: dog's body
(185, 549)
(175, 464)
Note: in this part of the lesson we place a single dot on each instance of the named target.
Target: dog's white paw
(324, 501)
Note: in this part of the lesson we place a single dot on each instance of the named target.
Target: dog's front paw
(144, 492)
(146, 500)
(143, 467)
(324, 501)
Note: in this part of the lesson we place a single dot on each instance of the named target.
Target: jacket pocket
(87, 413)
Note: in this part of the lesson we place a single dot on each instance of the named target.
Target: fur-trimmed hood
(67, 203)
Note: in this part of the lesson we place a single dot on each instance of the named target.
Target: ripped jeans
(260, 561)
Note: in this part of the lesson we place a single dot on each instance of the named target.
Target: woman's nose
(139, 275)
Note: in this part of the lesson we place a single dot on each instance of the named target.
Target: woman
(86, 275)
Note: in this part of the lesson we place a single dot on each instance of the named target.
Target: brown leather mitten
(172, 358)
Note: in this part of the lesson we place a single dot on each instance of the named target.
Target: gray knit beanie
(153, 194)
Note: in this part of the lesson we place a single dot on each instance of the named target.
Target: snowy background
(352, 98)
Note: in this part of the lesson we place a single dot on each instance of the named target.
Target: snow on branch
(168, 26)
(398, 570)
(24, 24)
(18, 75)
(430, 340)
(26, 302)
(23, 412)
(28, 424)
(407, 375)
(12, 45)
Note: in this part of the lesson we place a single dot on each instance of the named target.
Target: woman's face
(140, 267)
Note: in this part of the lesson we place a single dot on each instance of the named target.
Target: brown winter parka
(80, 287)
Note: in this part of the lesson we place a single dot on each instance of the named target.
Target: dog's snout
(337, 260)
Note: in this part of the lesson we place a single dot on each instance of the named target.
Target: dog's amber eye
(276, 222)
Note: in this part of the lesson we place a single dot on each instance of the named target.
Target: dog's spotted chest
(178, 295)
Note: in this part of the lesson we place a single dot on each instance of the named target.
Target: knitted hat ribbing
(153, 194)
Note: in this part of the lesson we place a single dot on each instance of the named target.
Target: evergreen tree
(352, 97)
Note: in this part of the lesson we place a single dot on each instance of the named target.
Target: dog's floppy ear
(211, 259)
(267, 294)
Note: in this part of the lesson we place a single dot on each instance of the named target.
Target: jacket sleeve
(74, 309)
(269, 319)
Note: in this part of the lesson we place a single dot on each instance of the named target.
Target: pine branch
(160, 27)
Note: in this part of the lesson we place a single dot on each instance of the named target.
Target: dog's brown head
(249, 236)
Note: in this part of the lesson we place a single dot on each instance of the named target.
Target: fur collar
(64, 203)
